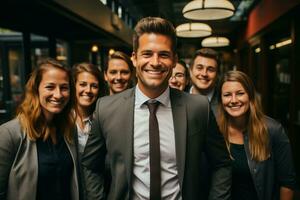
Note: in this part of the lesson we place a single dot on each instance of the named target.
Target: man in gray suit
(186, 129)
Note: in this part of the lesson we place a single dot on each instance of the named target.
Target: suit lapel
(127, 115)
(180, 129)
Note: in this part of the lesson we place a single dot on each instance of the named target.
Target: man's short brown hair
(207, 53)
(154, 25)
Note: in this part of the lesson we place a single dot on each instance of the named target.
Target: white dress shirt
(170, 188)
(83, 134)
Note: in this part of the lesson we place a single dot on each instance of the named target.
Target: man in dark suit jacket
(186, 129)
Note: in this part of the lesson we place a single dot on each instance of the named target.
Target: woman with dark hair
(38, 157)
(260, 150)
(89, 84)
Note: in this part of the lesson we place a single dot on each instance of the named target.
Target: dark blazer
(195, 132)
(214, 102)
(278, 170)
(19, 164)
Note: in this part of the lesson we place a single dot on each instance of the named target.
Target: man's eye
(95, 86)
(146, 54)
(165, 55)
(179, 75)
(199, 67)
(211, 69)
(49, 87)
(113, 72)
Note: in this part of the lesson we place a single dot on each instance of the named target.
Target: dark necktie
(155, 179)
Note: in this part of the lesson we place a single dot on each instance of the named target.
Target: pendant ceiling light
(191, 30)
(208, 9)
(215, 42)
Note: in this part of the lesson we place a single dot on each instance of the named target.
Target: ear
(105, 76)
(133, 58)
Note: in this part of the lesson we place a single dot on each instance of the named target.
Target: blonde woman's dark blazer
(19, 164)
(195, 132)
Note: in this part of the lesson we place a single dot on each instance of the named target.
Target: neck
(196, 90)
(111, 92)
(152, 93)
(239, 123)
(84, 112)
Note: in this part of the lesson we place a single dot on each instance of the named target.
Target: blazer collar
(180, 128)
(127, 109)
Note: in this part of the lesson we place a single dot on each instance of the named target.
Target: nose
(118, 76)
(204, 71)
(233, 98)
(173, 79)
(57, 93)
(89, 89)
(154, 60)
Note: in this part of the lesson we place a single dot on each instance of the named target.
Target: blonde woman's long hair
(256, 125)
(30, 113)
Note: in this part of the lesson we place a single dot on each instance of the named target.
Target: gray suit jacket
(19, 164)
(195, 132)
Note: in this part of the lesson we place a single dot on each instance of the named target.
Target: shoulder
(275, 130)
(194, 104)
(116, 97)
(196, 98)
(272, 124)
(10, 132)
(10, 126)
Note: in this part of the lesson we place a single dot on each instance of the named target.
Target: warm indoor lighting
(281, 44)
(94, 48)
(257, 50)
(191, 30)
(208, 9)
(215, 42)
(111, 51)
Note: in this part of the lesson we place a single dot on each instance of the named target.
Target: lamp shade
(215, 42)
(208, 9)
(191, 30)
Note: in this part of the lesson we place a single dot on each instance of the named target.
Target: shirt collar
(141, 98)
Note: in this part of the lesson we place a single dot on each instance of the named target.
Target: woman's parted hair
(154, 25)
(256, 125)
(30, 113)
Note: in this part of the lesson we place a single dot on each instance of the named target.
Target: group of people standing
(152, 139)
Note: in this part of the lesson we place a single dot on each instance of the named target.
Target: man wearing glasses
(180, 77)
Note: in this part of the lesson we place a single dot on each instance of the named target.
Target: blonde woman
(261, 153)
(38, 157)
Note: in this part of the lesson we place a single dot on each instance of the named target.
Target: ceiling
(172, 10)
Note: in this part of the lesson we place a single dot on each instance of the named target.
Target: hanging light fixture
(191, 30)
(215, 42)
(208, 9)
